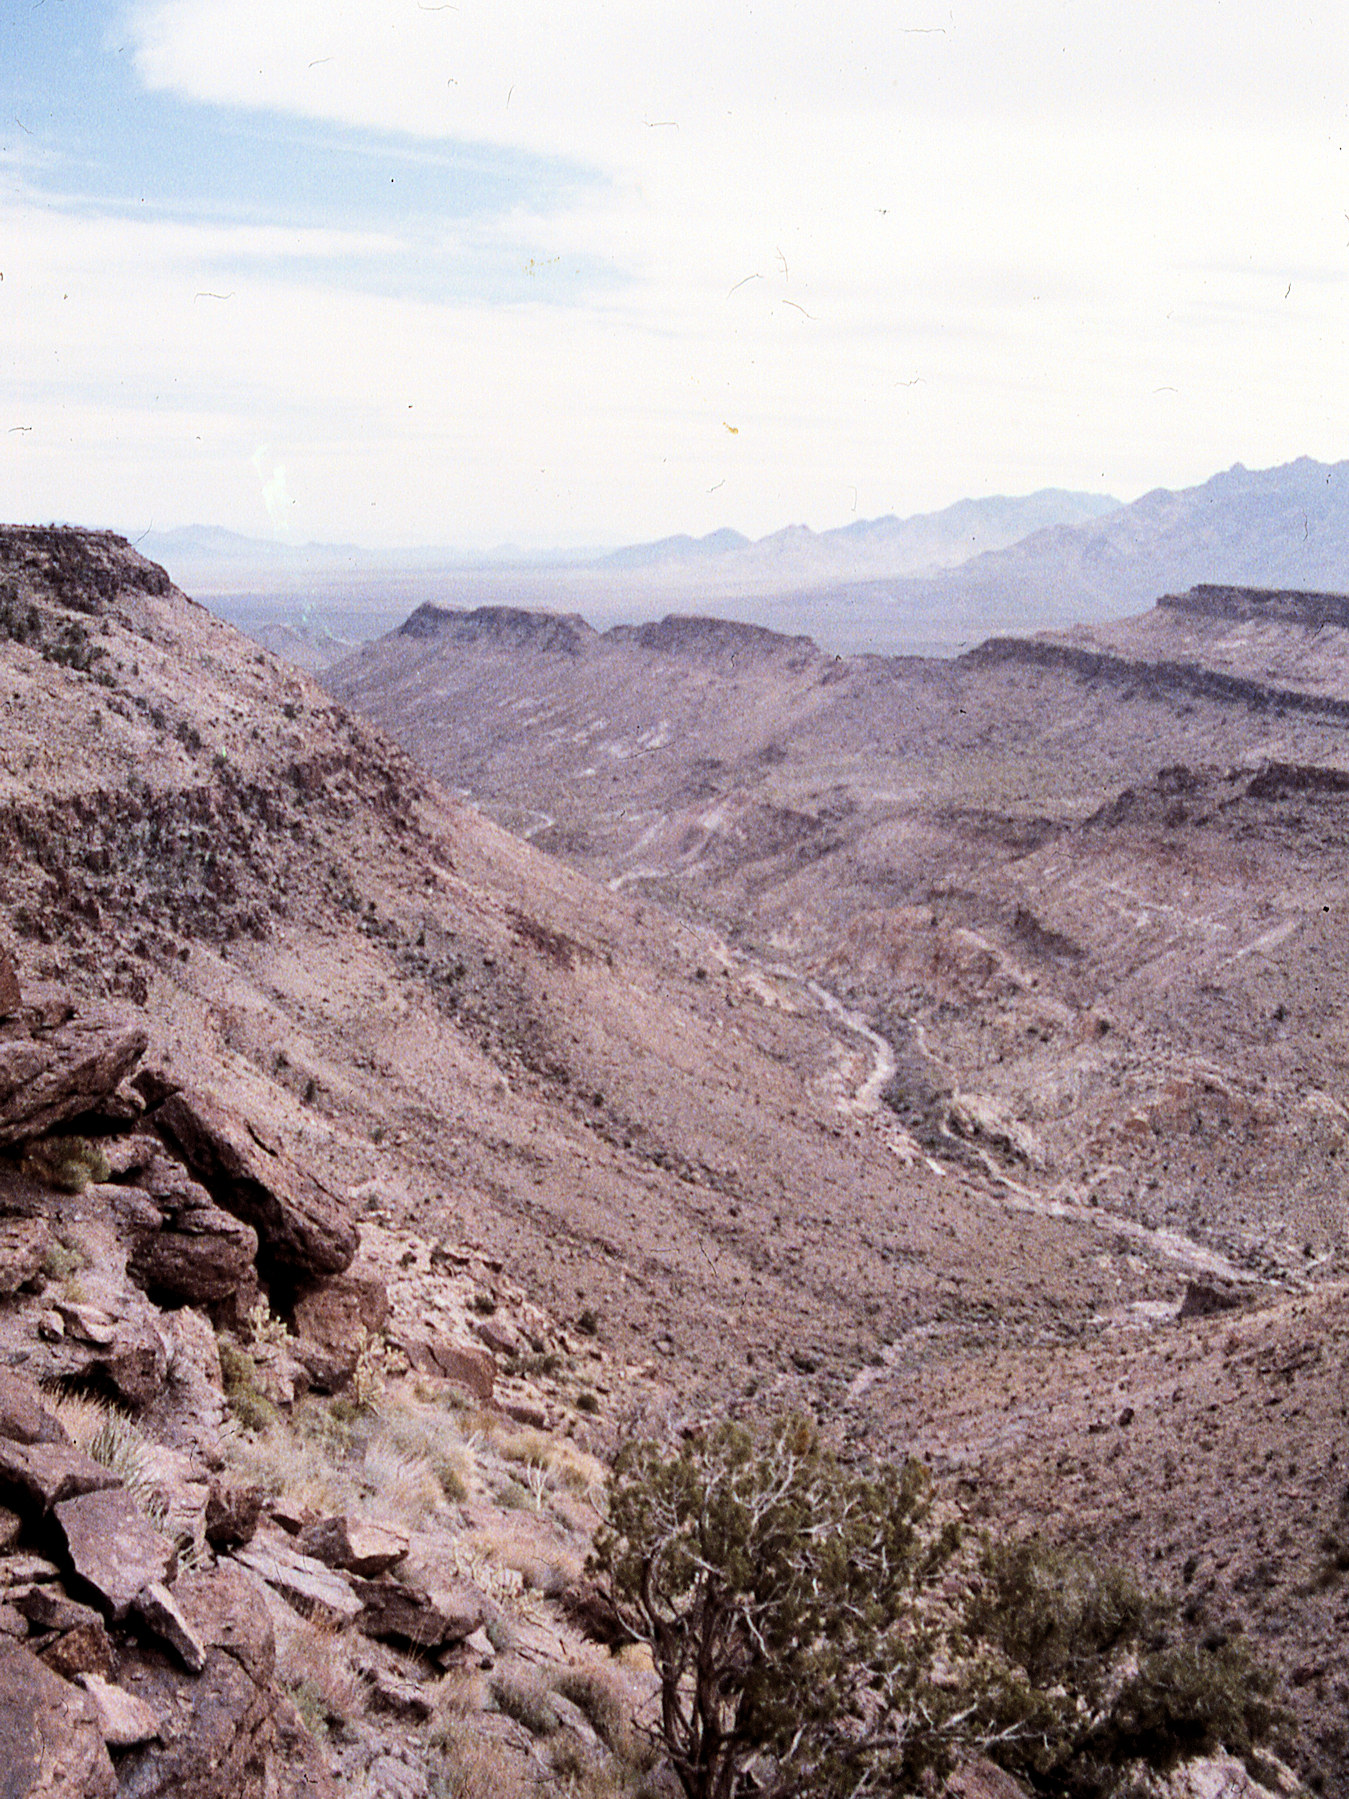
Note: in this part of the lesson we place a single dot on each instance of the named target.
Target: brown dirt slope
(1089, 892)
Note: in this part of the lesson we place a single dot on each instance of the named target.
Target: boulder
(53, 1744)
(124, 1719)
(162, 1612)
(229, 1732)
(179, 1488)
(232, 1514)
(302, 1228)
(1208, 1296)
(463, 1364)
(189, 1412)
(11, 999)
(84, 1650)
(329, 1322)
(23, 1417)
(57, 1074)
(10, 1526)
(202, 1252)
(49, 1608)
(132, 1153)
(119, 1340)
(38, 1476)
(290, 1513)
(136, 1362)
(24, 1243)
(356, 1547)
(427, 1620)
(113, 1547)
(390, 1692)
(225, 1610)
(301, 1579)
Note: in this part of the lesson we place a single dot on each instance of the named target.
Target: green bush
(783, 1598)
(239, 1376)
(66, 1163)
(807, 1644)
(1088, 1673)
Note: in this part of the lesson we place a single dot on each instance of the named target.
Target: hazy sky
(403, 271)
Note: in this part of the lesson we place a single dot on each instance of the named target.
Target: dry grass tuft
(524, 1694)
(108, 1436)
(471, 1768)
(430, 1434)
(406, 1487)
(313, 1661)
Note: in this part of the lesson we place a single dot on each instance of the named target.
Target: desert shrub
(310, 1704)
(525, 1697)
(512, 1497)
(61, 1261)
(67, 1163)
(603, 1695)
(1090, 1675)
(314, 1664)
(470, 1769)
(243, 1390)
(805, 1642)
(782, 1595)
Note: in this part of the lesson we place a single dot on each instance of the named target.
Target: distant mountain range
(938, 580)
(921, 544)
(732, 562)
(1280, 527)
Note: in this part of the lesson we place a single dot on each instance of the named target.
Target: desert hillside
(1085, 890)
(367, 1169)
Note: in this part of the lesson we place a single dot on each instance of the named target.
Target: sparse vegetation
(61, 1261)
(67, 1163)
(803, 1644)
(243, 1389)
(1092, 1676)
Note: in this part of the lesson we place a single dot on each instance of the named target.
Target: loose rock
(301, 1579)
(300, 1224)
(123, 1718)
(113, 1547)
(53, 1743)
(87, 1650)
(23, 1417)
(47, 1079)
(402, 1614)
(24, 1243)
(41, 1475)
(348, 1543)
(232, 1514)
(161, 1611)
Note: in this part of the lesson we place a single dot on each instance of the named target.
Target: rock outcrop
(303, 1230)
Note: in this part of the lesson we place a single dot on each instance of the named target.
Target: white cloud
(906, 250)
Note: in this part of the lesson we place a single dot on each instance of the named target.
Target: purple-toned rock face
(52, 1741)
(113, 1547)
(300, 1226)
(54, 1075)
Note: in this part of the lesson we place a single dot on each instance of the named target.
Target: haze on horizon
(396, 272)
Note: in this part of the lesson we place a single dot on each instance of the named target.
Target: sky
(405, 272)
